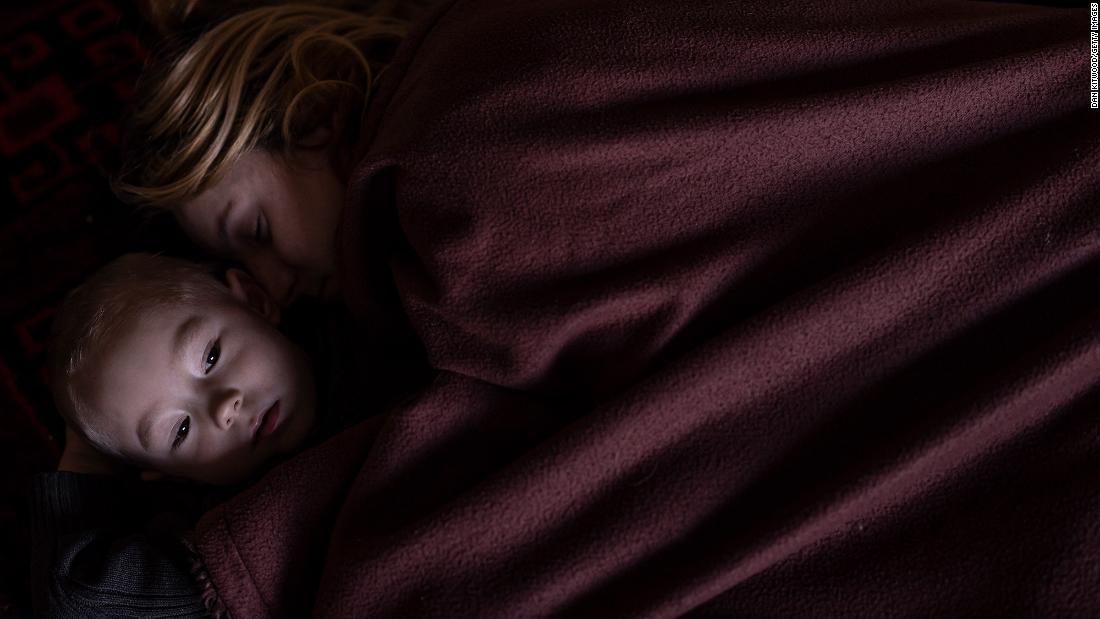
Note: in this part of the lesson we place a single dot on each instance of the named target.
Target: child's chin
(296, 433)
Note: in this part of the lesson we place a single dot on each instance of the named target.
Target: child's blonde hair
(265, 78)
(98, 311)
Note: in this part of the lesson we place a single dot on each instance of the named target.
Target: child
(158, 364)
(166, 370)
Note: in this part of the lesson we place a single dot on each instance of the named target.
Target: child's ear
(251, 293)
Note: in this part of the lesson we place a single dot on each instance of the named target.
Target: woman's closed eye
(260, 230)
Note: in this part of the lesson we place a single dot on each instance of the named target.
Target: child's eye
(211, 358)
(181, 433)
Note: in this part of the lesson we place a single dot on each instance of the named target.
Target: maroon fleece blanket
(761, 309)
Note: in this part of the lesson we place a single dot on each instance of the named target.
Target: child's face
(185, 389)
(278, 220)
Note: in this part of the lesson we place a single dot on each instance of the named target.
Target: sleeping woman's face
(277, 218)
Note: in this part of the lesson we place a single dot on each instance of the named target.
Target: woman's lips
(268, 423)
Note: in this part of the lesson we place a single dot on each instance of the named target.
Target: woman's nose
(272, 274)
(225, 408)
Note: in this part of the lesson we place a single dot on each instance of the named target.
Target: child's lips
(266, 424)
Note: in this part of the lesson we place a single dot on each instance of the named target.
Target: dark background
(67, 70)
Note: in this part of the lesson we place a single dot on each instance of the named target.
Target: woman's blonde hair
(265, 78)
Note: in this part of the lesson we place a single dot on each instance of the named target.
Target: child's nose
(226, 408)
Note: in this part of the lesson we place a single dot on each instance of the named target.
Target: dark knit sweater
(107, 546)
